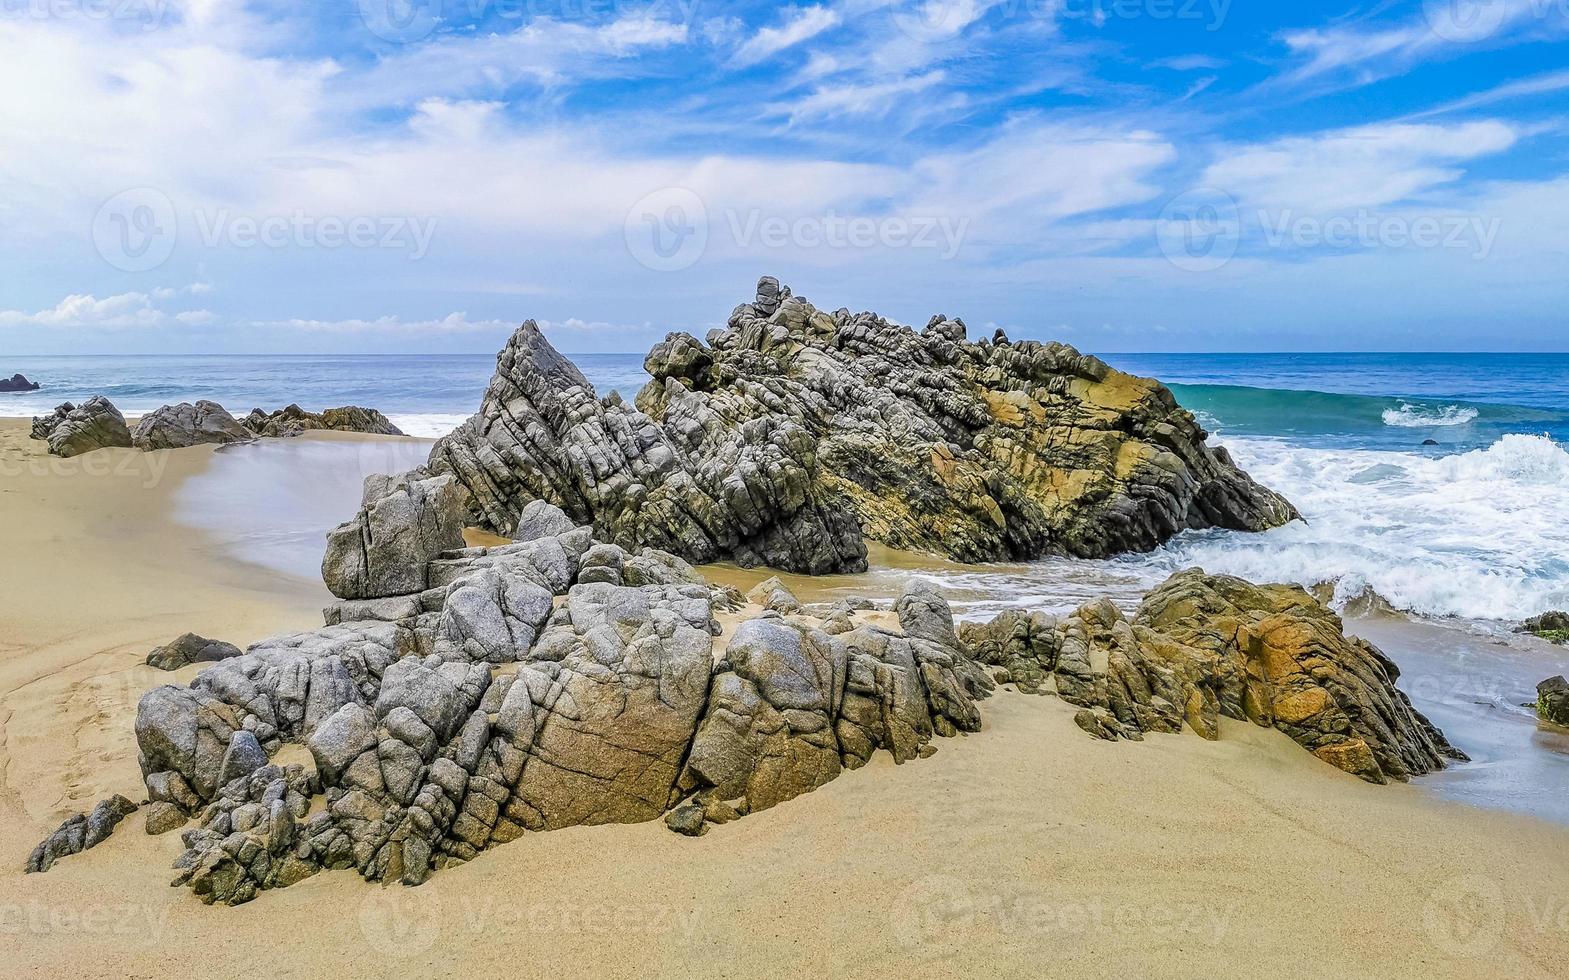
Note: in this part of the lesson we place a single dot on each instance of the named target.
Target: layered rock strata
(1202, 647)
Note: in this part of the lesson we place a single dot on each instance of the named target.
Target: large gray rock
(406, 522)
(72, 430)
(430, 745)
(182, 425)
(17, 382)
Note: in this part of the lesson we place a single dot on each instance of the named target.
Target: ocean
(1440, 482)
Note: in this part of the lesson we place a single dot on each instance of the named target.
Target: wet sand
(1024, 850)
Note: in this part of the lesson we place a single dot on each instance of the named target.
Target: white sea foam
(1479, 535)
(1409, 416)
(427, 426)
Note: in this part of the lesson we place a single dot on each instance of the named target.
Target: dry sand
(1025, 850)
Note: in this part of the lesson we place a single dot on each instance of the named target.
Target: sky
(1123, 175)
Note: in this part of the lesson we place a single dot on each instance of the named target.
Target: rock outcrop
(72, 430)
(293, 420)
(1552, 626)
(795, 435)
(1552, 700)
(191, 649)
(80, 832)
(17, 382)
(1202, 647)
(547, 683)
(182, 425)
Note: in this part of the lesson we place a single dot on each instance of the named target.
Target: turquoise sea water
(1439, 481)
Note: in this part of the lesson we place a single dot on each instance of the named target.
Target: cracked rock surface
(1202, 647)
(72, 430)
(528, 687)
(793, 435)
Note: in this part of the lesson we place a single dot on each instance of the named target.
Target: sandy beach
(1026, 848)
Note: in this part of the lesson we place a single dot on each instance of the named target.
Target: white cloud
(800, 24)
(1366, 166)
(124, 310)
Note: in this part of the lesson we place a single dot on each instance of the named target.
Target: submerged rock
(795, 435)
(17, 382)
(1552, 700)
(72, 430)
(1202, 647)
(293, 420)
(1553, 626)
(80, 832)
(182, 425)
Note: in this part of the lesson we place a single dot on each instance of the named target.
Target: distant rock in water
(17, 382)
(72, 430)
(1552, 700)
(795, 435)
(293, 420)
(1202, 647)
(1552, 626)
(182, 425)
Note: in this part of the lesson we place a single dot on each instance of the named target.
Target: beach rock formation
(182, 425)
(1202, 647)
(794, 435)
(80, 832)
(17, 382)
(543, 684)
(72, 430)
(293, 420)
(1553, 626)
(1552, 700)
(191, 649)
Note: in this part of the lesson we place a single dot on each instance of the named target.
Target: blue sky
(1125, 175)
